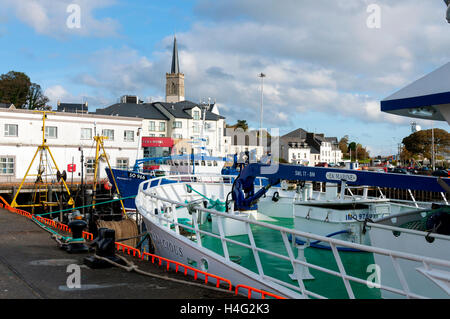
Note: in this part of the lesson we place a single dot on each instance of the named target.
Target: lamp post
(262, 76)
(432, 147)
(447, 3)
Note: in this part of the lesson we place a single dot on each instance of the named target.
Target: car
(322, 164)
(441, 172)
(400, 171)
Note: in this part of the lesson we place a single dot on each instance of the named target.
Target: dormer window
(196, 115)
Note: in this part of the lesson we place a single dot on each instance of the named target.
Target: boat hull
(408, 243)
(178, 248)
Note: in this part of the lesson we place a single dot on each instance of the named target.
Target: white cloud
(49, 17)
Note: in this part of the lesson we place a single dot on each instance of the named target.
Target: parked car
(399, 170)
(413, 170)
(441, 172)
(322, 164)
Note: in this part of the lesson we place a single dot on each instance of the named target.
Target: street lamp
(447, 3)
(262, 76)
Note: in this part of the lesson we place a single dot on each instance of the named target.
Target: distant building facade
(65, 133)
(306, 148)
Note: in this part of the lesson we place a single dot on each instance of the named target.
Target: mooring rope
(85, 206)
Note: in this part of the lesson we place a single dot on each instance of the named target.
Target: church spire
(175, 64)
(175, 79)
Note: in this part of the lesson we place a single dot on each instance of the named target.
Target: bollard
(77, 243)
(104, 246)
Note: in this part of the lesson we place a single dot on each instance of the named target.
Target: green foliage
(419, 143)
(240, 124)
(16, 88)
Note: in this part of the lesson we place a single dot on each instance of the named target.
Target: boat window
(196, 163)
(190, 162)
(215, 163)
(209, 163)
(176, 163)
(203, 163)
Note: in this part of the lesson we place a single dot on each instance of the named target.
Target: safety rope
(79, 207)
(214, 204)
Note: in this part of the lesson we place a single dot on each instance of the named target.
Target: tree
(36, 99)
(343, 144)
(419, 143)
(14, 88)
(240, 124)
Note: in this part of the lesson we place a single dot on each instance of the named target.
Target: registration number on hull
(137, 176)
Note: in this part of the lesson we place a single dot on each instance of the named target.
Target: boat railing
(159, 203)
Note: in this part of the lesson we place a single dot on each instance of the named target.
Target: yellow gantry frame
(43, 147)
(99, 144)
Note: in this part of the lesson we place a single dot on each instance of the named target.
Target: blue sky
(326, 70)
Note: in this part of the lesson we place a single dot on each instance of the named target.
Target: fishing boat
(193, 220)
(425, 233)
(128, 179)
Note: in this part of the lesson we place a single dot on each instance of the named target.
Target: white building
(187, 121)
(237, 141)
(303, 147)
(65, 133)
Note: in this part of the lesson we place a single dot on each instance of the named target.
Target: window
(162, 135)
(151, 126)
(196, 128)
(51, 132)
(162, 126)
(86, 133)
(177, 124)
(122, 163)
(128, 136)
(90, 166)
(177, 135)
(196, 115)
(151, 135)
(7, 165)
(109, 134)
(11, 129)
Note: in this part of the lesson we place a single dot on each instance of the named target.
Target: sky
(328, 63)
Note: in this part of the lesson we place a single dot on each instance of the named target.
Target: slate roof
(5, 105)
(180, 110)
(145, 110)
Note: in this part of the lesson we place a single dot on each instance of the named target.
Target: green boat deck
(327, 285)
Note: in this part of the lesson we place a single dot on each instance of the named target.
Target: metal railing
(147, 196)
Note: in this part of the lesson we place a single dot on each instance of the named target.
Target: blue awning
(427, 98)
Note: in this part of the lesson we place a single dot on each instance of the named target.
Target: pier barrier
(141, 255)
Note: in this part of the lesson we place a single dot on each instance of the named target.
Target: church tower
(175, 79)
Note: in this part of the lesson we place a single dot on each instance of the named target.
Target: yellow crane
(101, 148)
(42, 182)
